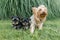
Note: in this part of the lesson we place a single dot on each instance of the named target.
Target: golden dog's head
(40, 12)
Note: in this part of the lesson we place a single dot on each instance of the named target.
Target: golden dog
(38, 17)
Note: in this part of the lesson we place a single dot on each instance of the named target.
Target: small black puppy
(16, 22)
(25, 23)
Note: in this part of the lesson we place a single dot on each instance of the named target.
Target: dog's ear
(11, 17)
(46, 11)
(18, 17)
(34, 10)
(29, 19)
(21, 19)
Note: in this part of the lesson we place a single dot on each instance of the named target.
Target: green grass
(51, 31)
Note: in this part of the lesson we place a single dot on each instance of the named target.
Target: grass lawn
(51, 31)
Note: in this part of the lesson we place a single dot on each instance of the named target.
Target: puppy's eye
(39, 9)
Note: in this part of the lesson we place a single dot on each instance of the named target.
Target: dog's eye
(39, 9)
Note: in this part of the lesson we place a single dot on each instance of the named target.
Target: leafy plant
(22, 8)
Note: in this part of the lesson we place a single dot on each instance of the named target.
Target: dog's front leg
(40, 26)
(32, 27)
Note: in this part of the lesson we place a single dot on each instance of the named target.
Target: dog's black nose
(14, 19)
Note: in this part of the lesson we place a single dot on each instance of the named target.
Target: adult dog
(38, 17)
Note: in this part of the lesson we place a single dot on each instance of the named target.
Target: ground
(51, 31)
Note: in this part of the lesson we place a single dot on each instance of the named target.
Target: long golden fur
(38, 17)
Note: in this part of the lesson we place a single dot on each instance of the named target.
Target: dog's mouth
(43, 14)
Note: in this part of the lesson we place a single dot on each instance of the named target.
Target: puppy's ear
(34, 10)
(21, 19)
(18, 17)
(11, 17)
(29, 19)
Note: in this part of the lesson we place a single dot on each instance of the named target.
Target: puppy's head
(25, 21)
(41, 11)
(15, 20)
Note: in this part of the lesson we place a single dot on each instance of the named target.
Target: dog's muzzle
(14, 23)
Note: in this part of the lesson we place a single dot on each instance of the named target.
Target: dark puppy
(25, 23)
(16, 22)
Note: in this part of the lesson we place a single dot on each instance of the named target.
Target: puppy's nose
(14, 19)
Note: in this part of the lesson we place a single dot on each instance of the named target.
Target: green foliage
(22, 8)
(51, 31)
